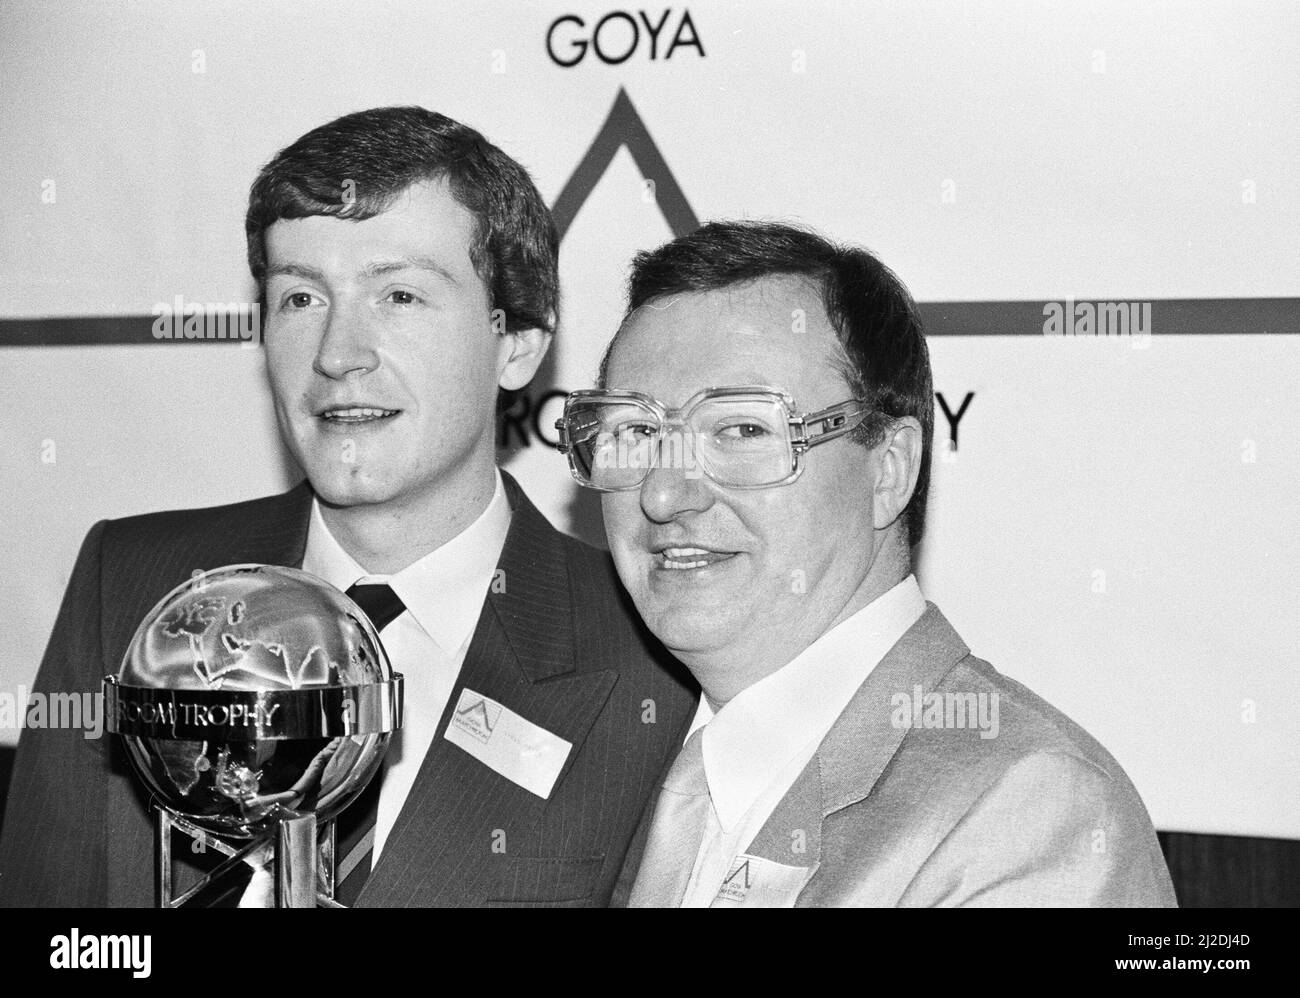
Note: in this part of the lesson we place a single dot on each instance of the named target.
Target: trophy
(256, 703)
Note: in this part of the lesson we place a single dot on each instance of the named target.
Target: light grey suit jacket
(891, 814)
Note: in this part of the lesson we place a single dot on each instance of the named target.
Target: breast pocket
(548, 882)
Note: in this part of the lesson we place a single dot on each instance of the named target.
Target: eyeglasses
(741, 438)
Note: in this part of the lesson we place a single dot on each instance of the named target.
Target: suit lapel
(462, 821)
(864, 738)
(860, 744)
(792, 835)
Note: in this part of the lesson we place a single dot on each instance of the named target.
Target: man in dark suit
(762, 438)
(407, 271)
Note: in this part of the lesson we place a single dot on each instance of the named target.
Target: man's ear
(899, 457)
(519, 355)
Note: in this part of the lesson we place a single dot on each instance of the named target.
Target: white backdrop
(1117, 527)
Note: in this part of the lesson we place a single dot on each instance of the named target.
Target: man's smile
(352, 416)
(687, 558)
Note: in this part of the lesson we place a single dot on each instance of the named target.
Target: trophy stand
(304, 872)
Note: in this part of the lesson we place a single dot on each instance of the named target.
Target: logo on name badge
(478, 717)
(758, 882)
(737, 884)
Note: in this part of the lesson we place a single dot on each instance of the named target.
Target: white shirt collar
(756, 733)
(443, 590)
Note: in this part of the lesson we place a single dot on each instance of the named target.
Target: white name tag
(755, 882)
(507, 743)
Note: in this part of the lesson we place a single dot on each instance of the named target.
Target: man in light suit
(762, 438)
(408, 276)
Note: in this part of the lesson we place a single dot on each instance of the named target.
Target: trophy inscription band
(237, 715)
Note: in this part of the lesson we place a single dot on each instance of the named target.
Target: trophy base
(302, 861)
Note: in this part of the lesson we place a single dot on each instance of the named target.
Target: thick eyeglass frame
(806, 430)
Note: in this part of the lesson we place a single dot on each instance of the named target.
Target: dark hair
(884, 357)
(356, 166)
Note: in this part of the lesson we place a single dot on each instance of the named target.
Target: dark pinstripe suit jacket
(561, 645)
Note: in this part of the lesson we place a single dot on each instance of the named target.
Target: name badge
(755, 882)
(508, 744)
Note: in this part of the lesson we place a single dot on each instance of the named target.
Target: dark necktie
(355, 827)
(378, 600)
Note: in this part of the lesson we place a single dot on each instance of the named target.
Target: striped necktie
(354, 829)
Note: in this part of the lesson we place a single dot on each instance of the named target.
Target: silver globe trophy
(256, 702)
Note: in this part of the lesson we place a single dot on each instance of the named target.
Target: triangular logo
(478, 713)
(624, 127)
(742, 869)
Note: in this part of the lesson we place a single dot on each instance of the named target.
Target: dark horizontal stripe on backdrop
(1158, 317)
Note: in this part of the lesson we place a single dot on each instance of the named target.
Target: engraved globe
(251, 692)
